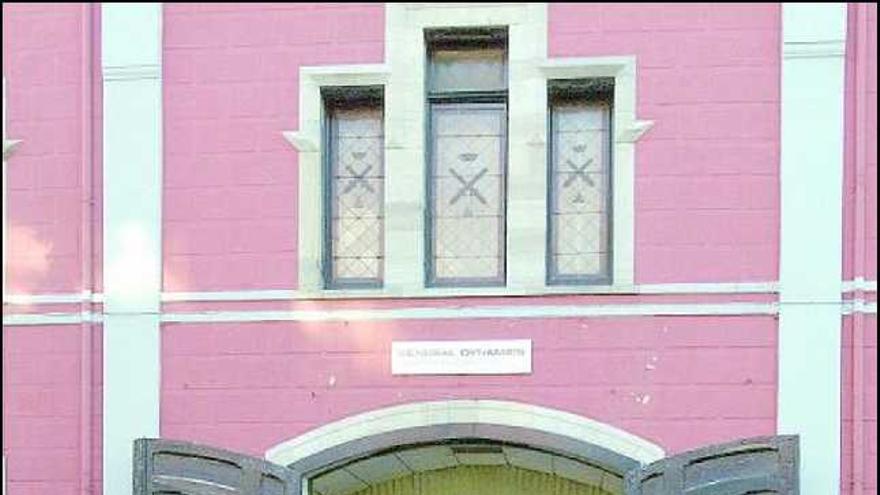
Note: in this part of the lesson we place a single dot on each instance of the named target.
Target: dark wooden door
(172, 467)
(756, 466)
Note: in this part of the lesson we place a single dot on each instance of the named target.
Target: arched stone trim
(424, 422)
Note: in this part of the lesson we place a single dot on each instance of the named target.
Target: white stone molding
(846, 308)
(859, 285)
(811, 246)
(478, 312)
(132, 72)
(628, 129)
(484, 412)
(646, 289)
(307, 140)
(405, 202)
(294, 295)
(60, 298)
(132, 148)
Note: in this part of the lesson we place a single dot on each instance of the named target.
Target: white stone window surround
(405, 111)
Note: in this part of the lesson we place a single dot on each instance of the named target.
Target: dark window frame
(335, 97)
(567, 91)
(464, 39)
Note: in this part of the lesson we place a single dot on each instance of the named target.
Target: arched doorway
(427, 422)
(466, 468)
(485, 480)
(468, 447)
(470, 442)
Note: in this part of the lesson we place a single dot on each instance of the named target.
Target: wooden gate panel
(756, 466)
(171, 467)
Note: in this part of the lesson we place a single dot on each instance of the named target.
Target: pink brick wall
(42, 409)
(43, 64)
(860, 251)
(682, 382)
(230, 189)
(48, 103)
(708, 75)
(867, 441)
(231, 87)
(861, 141)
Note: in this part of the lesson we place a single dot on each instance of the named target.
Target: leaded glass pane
(468, 70)
(356, 196)
(467, 193)
(580, 184)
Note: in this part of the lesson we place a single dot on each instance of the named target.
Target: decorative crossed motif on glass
(579, 172)
(356, 185)
(358, 178)
(467, 185)
(580, 194)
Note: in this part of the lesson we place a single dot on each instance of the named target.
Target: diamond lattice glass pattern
(356, 196)
(580, 181)
(467, 184)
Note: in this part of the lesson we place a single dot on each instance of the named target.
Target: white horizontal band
(132, 72)
(60, 298)
(38, 319)
(858, 284)
(859, 306)
(476, 312)
(814, 49)
(653, 289)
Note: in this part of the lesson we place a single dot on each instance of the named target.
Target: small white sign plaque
(476, 357)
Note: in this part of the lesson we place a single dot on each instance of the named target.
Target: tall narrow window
(467, 147)
(354, 188)
(580, 182)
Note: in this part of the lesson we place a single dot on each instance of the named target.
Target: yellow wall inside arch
(482, 480)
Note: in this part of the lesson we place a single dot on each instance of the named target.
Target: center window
(467, 157)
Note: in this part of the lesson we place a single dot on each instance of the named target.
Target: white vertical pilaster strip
(132, 70)
(527, 151)
(405, 170)
(811, 239)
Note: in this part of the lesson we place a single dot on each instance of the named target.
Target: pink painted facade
(860, 252)
(707, 211)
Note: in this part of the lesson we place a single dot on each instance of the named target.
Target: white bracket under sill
(634, 131)
(623, 69)
(9, 146)
(307, 138)
(302, 142)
